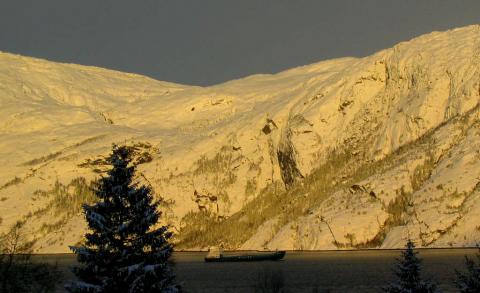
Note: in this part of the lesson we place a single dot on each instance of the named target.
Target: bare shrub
(270, 281)
(17, 272)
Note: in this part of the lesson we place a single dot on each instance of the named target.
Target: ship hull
(277, 255)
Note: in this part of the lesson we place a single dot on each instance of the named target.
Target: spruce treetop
(469, 281)
(407, 271)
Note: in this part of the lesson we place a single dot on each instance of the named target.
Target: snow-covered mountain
(351, 152)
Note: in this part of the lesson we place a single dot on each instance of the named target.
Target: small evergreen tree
(123, 252)
(469, 281)
(408, 273)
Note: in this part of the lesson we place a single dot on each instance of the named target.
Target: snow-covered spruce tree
(408, 274)
(122, 251)
(469, 281)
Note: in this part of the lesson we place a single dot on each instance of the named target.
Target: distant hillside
(352, 152)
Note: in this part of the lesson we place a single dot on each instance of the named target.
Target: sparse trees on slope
(469, 281)
(123, 252)
(408, 274)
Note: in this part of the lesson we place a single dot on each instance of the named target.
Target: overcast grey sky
(207, 42)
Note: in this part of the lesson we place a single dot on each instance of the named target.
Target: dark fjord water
(306, 271)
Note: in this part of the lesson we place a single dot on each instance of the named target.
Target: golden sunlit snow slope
(351, 152)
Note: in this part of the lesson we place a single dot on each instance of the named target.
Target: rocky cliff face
(342, 153)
